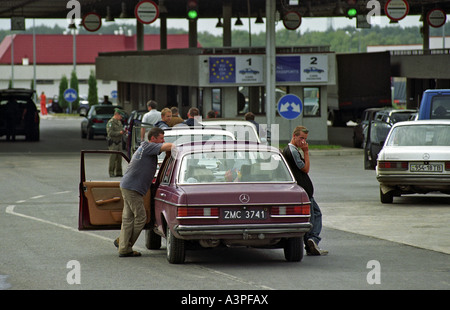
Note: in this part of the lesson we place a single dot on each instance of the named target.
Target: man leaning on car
(134, 186)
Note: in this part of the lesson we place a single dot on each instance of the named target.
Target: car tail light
(447, 165)
(393, 165)
(184, 212)
(96, 120)
(290, 210)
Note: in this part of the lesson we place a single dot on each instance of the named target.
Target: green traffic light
(352, 12)
(192, 14)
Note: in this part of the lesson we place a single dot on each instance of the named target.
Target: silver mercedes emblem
(244, 198)
(426, 156)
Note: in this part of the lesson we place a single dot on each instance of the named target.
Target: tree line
(348, 39)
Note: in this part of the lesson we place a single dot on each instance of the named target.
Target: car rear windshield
(440, 107)
(233, 166)
(104, 110)
(420, 135)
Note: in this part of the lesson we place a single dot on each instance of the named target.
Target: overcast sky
(308, 24)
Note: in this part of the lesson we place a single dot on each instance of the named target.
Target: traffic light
(351, 10)
(192, 9)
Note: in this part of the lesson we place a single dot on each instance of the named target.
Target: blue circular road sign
(290, 106)
(70, 95)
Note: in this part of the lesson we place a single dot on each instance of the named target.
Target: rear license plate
(244, 214)
(426, 168)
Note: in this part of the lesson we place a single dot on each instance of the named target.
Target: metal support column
(270, 62)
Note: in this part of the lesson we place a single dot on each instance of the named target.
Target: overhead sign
(396, 9)
(290, 106)
(436, 18)
(146, 11)
(303, 68)
(249, 69)
(292, 20)
(92, 22)
(70, 95)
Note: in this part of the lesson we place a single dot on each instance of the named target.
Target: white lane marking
(37, 197)
(10, 210)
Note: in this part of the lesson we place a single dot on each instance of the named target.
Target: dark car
(18, 114)
(95, 121)
(378, 130)
(361, 128)
(211, 194)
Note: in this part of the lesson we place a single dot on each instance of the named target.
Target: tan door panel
(106, 203)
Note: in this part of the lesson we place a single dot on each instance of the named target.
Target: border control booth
(227, 80)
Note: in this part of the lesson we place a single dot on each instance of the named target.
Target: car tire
(152, 240)
(90, 134)
(293, 249)
(175, 248)
(387, 197)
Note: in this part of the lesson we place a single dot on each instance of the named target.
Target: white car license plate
(426, 168)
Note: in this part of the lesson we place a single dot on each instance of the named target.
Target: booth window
(216, 97)
(311, 101)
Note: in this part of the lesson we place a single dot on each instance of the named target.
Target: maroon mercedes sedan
(214, 194)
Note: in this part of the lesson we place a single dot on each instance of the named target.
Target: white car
(242, 130)
(181, 135)
(415, 159)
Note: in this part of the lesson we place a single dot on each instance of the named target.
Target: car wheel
(386, 197)
(90, 134)
(175, 248)
(293, 249)
(152, 240)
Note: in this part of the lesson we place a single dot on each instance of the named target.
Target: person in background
(176, 119)
(106, 100)
(211, 114)
(151, 117)
(300, 168)
(249, 116)
(43, 104)
(114, 131)
(192, 114)
(166, 116)
(134, 186)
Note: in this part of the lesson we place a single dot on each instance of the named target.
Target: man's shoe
(313, 249)
(116, 243)
(130, 254)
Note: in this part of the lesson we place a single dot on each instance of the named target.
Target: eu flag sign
(222, 70)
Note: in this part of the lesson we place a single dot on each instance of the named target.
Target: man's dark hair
(155, 132)
(153, 104)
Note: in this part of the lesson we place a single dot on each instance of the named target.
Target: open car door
(377, 132)
(101, 202)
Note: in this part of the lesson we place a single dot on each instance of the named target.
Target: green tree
(92, 91)
(74, 85)
(63, 85)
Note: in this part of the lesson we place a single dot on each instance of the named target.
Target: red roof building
(58, 48)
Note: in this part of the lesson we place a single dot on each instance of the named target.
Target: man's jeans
(316, 221)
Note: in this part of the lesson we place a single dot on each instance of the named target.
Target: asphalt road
(372, 246)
